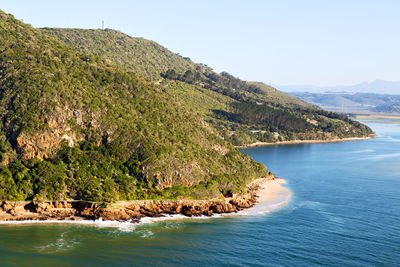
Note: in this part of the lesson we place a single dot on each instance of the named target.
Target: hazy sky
(279, 42)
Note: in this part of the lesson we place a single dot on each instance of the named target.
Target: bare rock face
(86, 209)
(223, 208)
(61, 214)
(13, 208)
(244, 201)
(42, 207)
(113, 214)
(43, 144)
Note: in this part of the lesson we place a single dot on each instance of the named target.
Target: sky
(317, 42)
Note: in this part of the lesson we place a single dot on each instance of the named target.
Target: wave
(362, 151)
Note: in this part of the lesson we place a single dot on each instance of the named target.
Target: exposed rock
(13, 208)
(123, 211)
(42, 207)
(113, 214)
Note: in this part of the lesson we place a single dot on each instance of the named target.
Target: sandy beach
(269, 189)
(271, 195)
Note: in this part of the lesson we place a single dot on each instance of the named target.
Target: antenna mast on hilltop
(102, 24)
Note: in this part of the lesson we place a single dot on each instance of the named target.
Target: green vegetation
(241, 112)
(96, 173)
(75, 126)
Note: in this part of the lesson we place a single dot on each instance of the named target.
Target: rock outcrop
(131, 211)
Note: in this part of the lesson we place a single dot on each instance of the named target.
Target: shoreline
(314, 141)
(263, 193)
(271, 197)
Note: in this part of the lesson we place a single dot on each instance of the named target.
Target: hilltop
(77, 126)
(241, 112)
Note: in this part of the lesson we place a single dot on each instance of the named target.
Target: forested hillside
(76, 126)
(241, 112)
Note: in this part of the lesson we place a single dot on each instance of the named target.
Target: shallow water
(345, 211)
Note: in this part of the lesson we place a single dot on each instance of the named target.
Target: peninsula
(95, 123)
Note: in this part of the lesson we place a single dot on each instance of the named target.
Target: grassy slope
(277, 96)
(144, 57)
(128, 138)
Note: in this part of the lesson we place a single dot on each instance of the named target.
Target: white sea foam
(121, 226)
(62, 243)
(283, 199)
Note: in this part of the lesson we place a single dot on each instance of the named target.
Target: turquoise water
(345, 211)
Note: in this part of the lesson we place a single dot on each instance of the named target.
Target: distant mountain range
(353, 102)
(378, 87)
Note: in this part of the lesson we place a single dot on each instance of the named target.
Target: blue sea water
(345, 211)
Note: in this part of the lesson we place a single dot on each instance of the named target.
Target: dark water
(345, 212)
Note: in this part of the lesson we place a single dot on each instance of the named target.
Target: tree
(171, 74)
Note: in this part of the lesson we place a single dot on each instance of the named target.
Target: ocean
(345, 211)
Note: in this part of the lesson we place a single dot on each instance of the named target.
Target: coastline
(262, 193)
(315, 141)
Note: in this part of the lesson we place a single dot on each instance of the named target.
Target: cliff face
(43, 144)
(64, 125)
(73, 126)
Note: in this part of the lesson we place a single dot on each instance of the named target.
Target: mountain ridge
(353, 102)
(377, 86)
